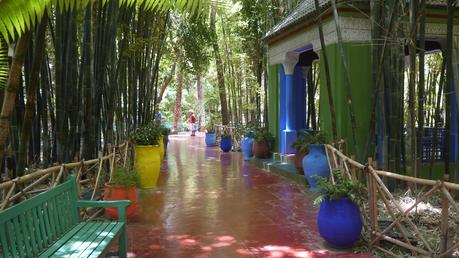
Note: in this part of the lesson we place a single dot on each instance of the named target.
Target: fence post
(372, 200)
(444, 242)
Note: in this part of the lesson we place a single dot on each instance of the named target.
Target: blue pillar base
(288, 137)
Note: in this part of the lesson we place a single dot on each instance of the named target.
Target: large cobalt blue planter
(211, 138)
(339, 222)
(246, 146)
(315, 164)
(225, 144)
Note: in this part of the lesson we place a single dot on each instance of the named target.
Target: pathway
(213, 204)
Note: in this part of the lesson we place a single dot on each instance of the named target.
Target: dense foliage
(123, 177)
(342, 187)
(146, 135)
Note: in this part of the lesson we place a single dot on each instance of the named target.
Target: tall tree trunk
(421, 85)
(201, 111)
(220, 72)
(31, 94)
(412, 86)
(449, 80)
(178, 96)
(12, 87)
(88, 131)
(327, 73)
(347, 80)
(164, 86)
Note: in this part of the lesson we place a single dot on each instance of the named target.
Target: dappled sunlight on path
(213, 204)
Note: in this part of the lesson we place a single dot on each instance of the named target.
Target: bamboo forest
(229, 128)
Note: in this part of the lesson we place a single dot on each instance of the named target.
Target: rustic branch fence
(390, 223)
(90, 174)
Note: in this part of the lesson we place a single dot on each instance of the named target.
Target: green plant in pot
(148, 154)
(226, 141)
(122, 186)
(263, 141)
(339, 219)
(301, 147)
(211, 137)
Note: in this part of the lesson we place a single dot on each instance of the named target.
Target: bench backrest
(31, 226)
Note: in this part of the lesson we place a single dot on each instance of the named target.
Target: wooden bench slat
(53, 248)
(32, 230)
(19, 241)
(3, 241)
(11, 239)
(47, 220)
(107, 240)
(81, 238)
(43, 227)
(93, 242)
(39, 228)
(26, 235)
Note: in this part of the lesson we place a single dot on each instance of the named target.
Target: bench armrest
(120, 205)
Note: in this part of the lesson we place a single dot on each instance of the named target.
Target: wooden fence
(392, 225)
(91, 176)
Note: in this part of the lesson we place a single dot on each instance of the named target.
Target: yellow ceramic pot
(147, 165)
(161, 151)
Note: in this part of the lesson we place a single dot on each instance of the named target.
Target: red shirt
(193, 119)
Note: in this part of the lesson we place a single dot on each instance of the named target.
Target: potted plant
(147, 154)
(315, 163)
(247, 144)
(225, 143)
(301, 147)
(211, 137)
(121, 186)
(263, 140)
(339, 219)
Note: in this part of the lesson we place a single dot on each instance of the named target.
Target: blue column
(289, 102)
(288, 134)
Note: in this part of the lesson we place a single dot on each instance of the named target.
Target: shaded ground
(213, 204)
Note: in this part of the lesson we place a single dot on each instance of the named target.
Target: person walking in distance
(192, 123)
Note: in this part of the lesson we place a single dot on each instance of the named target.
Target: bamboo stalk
(403, 216)
(61, 171)
(392, 213)
(327, 72)
(6, 201)
(444, 220)
(388, 252)
(450, 199)
(373, 205)
(29, 187)
(404, 245)
(391, 197)
(97, 179)
(347, 80)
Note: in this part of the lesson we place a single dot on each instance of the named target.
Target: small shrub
(343, 187)
(122, 177)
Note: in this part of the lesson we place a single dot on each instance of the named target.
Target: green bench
(48, 225)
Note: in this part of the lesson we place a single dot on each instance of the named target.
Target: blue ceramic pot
(211, 138)
(225, 144)
(339, 222)
(315, 164)
(246, 146)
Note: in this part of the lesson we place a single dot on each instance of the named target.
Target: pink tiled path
(213, 204)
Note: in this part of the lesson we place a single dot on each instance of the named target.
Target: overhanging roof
(306, 9)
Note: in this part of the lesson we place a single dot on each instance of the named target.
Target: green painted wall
(274, 102)
(359, 62)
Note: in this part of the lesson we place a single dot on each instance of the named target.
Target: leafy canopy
(19, 16)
